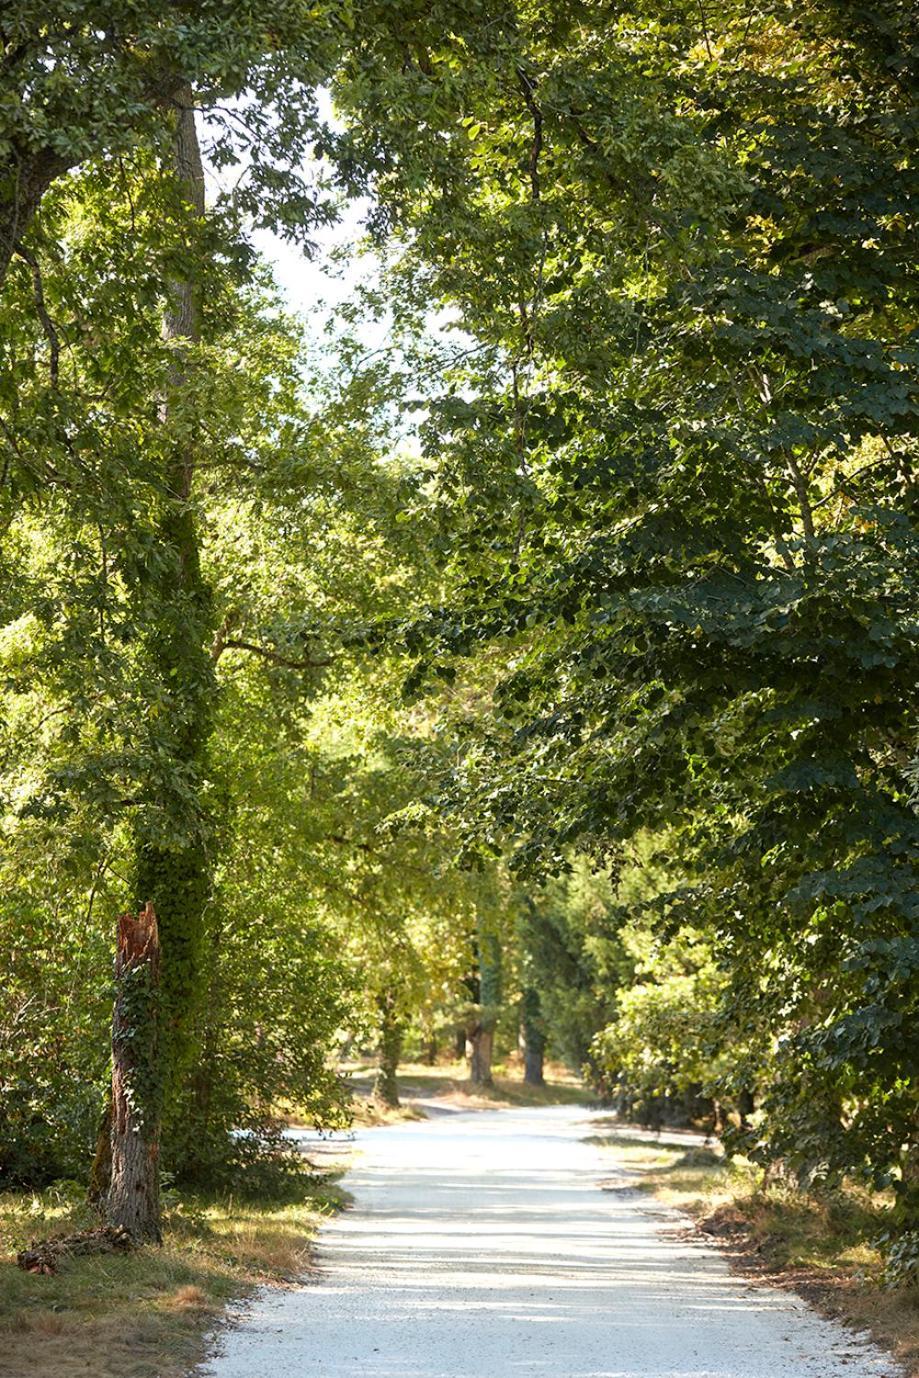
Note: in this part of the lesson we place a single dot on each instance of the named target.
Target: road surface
(480, 1245)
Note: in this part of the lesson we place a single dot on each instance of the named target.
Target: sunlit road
(480, 1245)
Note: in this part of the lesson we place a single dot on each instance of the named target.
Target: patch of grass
(143, 1315)
(449, 1082)
(820, 1244)
(368, 1112)
(509, 1091)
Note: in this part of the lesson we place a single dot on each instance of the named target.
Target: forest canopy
(547, 673)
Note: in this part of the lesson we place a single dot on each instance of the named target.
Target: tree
(100, 81)
(675, 471)
(486, 989)
(664, 1056)
(571, 957)
(176, 871)
(100, 150)
(532, 1036)
(109, 673)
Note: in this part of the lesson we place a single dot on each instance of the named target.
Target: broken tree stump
(132, 1203)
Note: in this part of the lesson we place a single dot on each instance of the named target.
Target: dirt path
(480, 1246)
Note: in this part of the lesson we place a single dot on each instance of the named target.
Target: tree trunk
(719, 1118)
(532, 1037)
(481, 1032)
(479, 1048)
(28, 176)
(533, 1065)
(386, 1085)
(177, 872)
(133, 1200)
(746, 1104)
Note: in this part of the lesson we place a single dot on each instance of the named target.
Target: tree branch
(48, 326)
(276, 657)
(528, 87)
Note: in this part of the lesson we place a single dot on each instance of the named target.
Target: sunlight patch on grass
(450, 1083)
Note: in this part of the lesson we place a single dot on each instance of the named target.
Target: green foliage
(665, 1044)
(52, 1059)
(673, 454)
(901, 1259)
(136, 1044)
(571, 954)
(140, 645)
(634, 637)
(85, 82)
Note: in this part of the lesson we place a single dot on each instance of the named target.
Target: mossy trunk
(174, 840)
(132, 1202)
(480, 1034)
(386, 1085)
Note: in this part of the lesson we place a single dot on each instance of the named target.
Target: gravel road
(480, 1245)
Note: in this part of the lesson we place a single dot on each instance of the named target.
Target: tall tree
(174, 865)
(677, 476)
(532, 1036)
(92, 81)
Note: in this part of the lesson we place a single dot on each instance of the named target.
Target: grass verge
(144, 1315)
(819, 1245)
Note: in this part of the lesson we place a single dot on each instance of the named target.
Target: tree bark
(481, 1030)
(133, 1200)
(386, 1085)
(534, 1066)
(480, 1045)
(532, 1037)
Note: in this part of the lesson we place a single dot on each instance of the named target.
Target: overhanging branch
(267, 653)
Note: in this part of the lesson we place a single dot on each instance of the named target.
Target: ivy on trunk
(132, 1202)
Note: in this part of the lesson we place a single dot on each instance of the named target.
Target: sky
(313, 286)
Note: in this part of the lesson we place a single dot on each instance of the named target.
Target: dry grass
(449, 1083)
(821, 1246)
(143, 1315)
(367, 1112)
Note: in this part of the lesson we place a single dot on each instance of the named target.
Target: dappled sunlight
(482, 1246)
